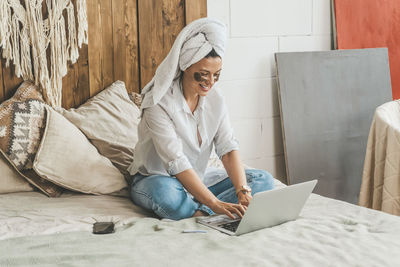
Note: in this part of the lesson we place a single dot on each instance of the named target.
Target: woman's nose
(212, 80)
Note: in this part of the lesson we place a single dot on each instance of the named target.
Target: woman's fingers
(245, 199)
(238, 209)
(242, 209)
(230, 215)
(239, 212)
(230, 208)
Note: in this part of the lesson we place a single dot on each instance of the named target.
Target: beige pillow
(66, 158)
(110, 120)
(10, 180)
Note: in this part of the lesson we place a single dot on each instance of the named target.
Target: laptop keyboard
(232, 226)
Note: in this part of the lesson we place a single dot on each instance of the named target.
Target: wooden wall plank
(82, 89)
(75, 88)
(94, 49)
(76, 83)
(125, 40)
(100, 45)
(10, 80)
(195, 9)
(160, 23)
(1, 81)
(107, 42)
(68, 83)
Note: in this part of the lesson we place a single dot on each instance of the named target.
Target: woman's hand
(244, 198)
(229, 209)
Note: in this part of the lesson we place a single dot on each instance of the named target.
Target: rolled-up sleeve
(224, 140)
(165, 140)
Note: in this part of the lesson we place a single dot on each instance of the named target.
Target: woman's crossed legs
(166, 197)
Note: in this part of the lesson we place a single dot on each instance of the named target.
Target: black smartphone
(103, 228)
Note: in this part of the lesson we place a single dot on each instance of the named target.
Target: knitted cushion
(22, 121)
(20, 131)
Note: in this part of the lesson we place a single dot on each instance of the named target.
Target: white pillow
(65, 157)
(110, 121)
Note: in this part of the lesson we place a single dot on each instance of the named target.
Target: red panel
(370, 24)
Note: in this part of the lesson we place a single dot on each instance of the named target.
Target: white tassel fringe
(25, 39)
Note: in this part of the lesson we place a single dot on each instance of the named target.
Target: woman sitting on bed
(183, 117)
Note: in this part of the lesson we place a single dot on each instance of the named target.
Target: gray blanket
(328, 233)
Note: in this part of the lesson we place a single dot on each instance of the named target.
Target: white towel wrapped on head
(192, 44)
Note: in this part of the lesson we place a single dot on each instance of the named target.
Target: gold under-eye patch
(198, 77)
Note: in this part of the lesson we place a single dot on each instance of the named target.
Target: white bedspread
(45, 232)
(32, 213)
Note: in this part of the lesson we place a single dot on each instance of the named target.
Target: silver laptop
(266, 209)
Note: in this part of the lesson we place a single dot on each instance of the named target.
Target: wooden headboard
(127, 41)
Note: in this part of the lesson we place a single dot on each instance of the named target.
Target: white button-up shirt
(168, 136)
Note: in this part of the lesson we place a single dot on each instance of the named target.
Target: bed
(38, 231)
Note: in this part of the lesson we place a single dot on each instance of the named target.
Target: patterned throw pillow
(22, 122)
(20, 131)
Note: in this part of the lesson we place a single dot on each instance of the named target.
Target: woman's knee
(165, 196)
(174, 204)
(259, 180)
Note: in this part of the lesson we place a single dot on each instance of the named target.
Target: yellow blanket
(380, 187)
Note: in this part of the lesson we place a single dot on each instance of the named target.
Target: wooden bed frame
(127, 41)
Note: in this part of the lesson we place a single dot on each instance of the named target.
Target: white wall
(258, 29)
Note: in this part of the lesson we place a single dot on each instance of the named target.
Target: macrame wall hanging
(27, 37)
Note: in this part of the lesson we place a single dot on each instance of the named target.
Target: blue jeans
(166, 197)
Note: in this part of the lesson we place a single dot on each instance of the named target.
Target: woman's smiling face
(199, 78)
